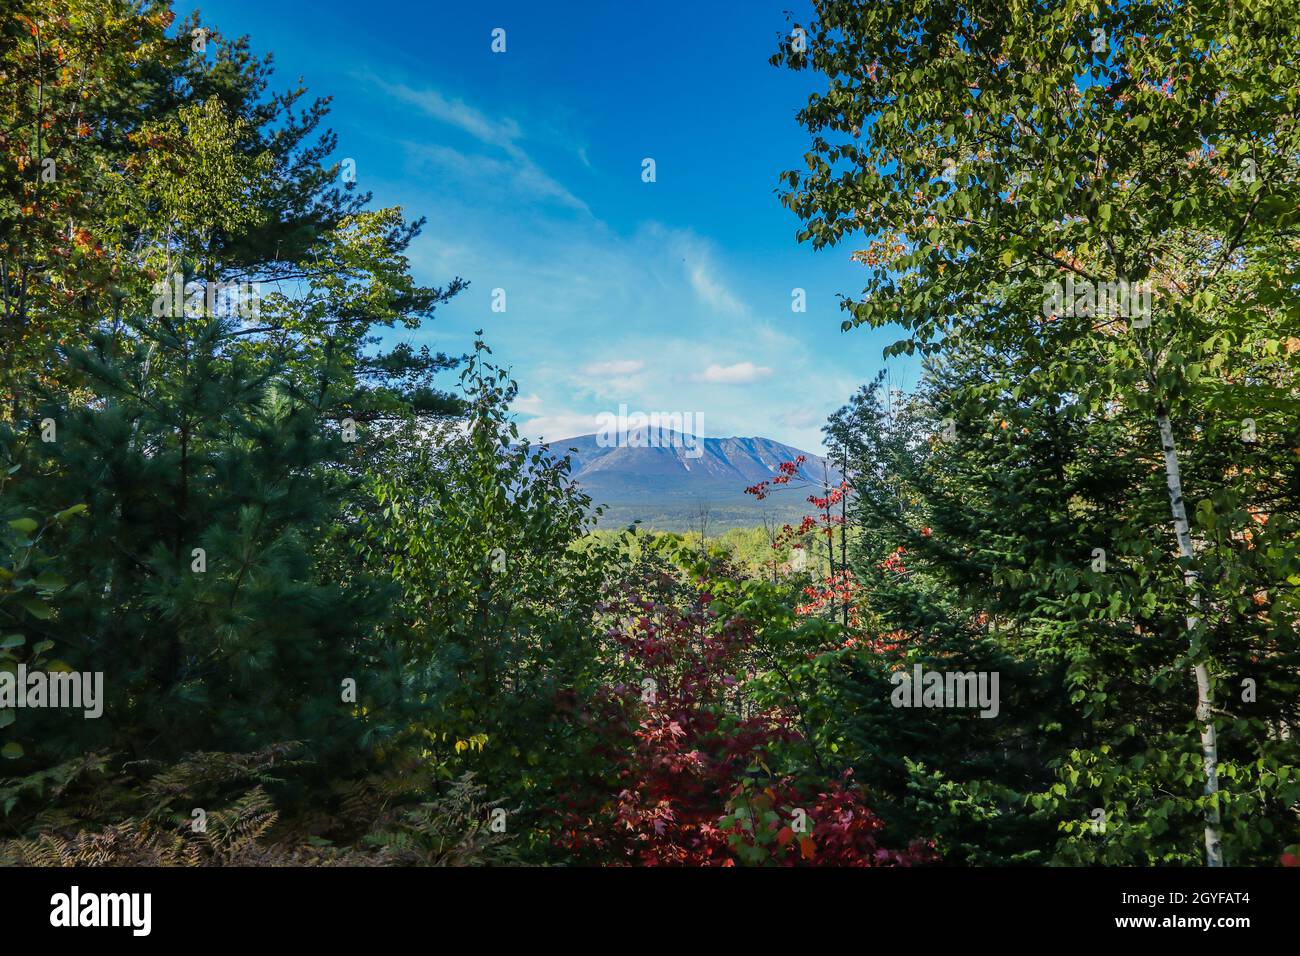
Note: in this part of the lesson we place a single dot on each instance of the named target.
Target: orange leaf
(785, 836)
(807, 847)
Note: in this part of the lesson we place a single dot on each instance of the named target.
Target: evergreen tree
(1030, 538)
(196, 587)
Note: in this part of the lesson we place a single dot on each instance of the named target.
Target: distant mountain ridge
(666, 478)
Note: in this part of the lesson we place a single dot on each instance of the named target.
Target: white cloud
(742, 373)
(613, 367)
(557, 428)
(528, 404)
(546, 424)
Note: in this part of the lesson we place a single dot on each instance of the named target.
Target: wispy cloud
(524, 177)
(803, 417)
(456, 112)
(711, 291)
(516, 169)
(613, 367)
(702, 271)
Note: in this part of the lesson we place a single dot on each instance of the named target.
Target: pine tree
(196, 586)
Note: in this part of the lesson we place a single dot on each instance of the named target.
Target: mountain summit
(668, 484)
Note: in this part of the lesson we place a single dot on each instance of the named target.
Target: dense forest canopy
(338, 611)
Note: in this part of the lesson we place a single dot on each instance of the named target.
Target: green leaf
(37, 608)
(72, 512)
(49, 581)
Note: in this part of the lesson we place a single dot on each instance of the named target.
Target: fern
(450, 831)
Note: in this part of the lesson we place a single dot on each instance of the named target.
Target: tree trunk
(844, 540)
(1209, 748)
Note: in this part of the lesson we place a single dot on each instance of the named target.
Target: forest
(333, 610)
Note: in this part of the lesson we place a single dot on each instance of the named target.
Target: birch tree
(1111, 186)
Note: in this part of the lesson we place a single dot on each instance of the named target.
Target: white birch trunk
(1209, 748)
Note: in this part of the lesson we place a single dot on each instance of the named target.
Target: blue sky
(667, 296)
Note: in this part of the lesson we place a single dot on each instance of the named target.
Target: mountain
(666, 485)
